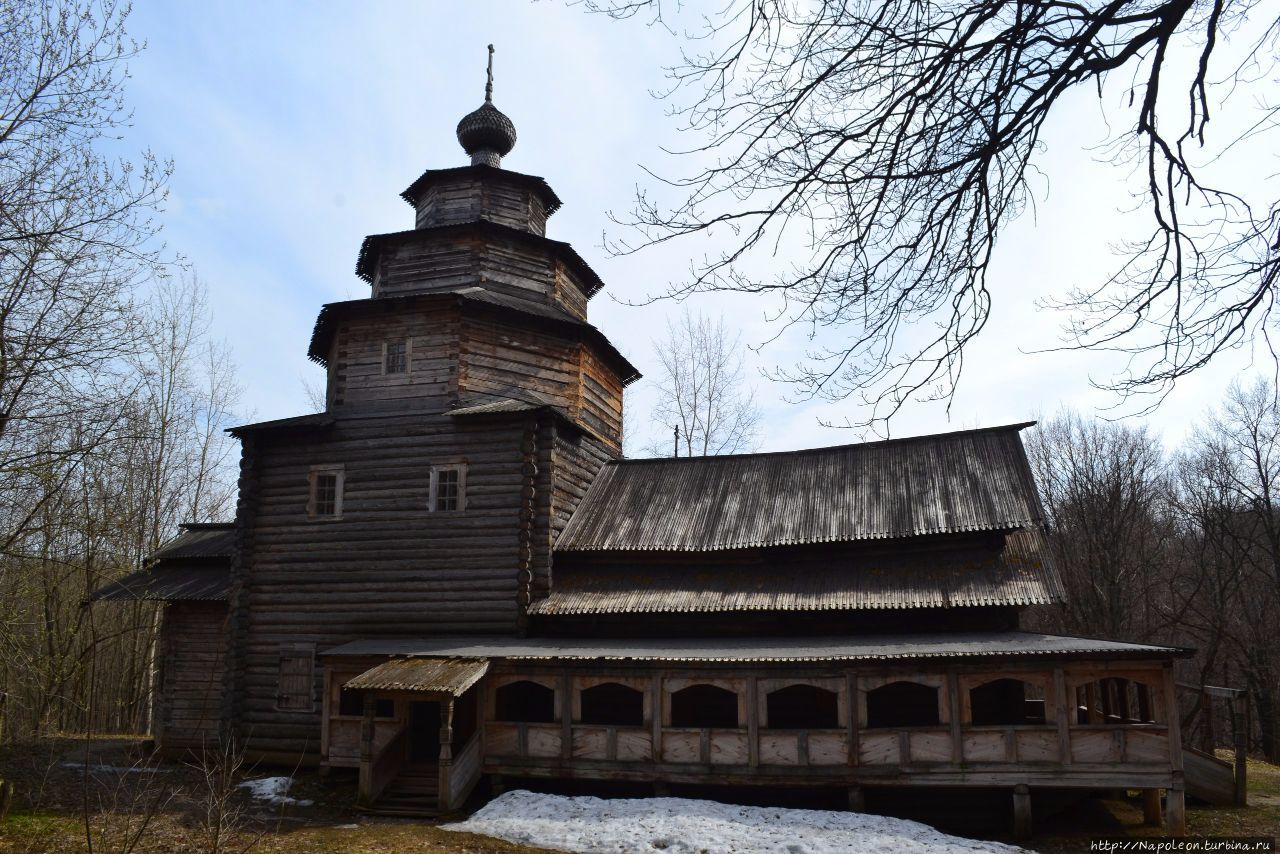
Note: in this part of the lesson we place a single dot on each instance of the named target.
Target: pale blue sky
(294, 128)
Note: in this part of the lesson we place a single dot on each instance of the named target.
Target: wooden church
(451, 574)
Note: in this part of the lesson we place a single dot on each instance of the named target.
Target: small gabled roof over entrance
(452, 676)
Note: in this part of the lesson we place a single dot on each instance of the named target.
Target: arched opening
(802, 707)
(525, 702)
(902, 704)
(1114, 701)
(1006, 702)
(704, 706)
(612, 704)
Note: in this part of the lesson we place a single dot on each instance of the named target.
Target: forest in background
(114, 397)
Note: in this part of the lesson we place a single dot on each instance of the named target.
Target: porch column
(1152, 812)
(446, 754)
(1021, 811)
(365, 795)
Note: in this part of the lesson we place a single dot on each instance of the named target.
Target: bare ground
(134, 804)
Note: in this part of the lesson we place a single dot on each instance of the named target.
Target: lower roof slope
(1019, 575)
(973, 480)
(950, 645)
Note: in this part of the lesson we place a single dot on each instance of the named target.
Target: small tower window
(449, 488)
(395, 358)
(325, 501)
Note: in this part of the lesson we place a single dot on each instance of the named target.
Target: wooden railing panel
(634, 745)
(828, 748)
(464, 773)
(983, 746)
(590, 743)
(681, 745)
(927, 746)
(779, 748)
(502, 739)
(1095, 745)
(1037, 745)
(543, 740)
(1147, 746)
(878, 747)
(729, 748)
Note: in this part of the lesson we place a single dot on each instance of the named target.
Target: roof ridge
(1013, 427)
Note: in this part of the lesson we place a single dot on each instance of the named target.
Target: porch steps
(414, 792)
(1208, 778)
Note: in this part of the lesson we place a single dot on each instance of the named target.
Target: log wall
(390, 567)
(193, 645)
(467, 198)
(432, 263)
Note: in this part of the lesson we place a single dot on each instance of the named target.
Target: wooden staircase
(415, 791)
(1209, 778)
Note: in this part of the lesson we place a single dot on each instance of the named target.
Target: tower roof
(487, 134)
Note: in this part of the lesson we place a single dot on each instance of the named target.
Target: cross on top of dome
(487, 134)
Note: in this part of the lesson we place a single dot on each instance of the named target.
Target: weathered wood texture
(357, 376)
(391, 566)
(467, 198)
(446, 261)
(455, 355)
(193, 648)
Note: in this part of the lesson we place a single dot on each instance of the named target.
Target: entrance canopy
(451, 676)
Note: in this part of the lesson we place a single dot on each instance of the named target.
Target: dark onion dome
(486, 129)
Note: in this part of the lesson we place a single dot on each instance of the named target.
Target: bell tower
(475, 305)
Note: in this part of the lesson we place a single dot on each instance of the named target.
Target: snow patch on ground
(273, 790)
(685, 826)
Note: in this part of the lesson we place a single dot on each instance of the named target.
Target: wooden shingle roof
(1019, 575)
(973, 480)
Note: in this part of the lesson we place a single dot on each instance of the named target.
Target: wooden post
(753, 721)
(365, 793)
(851, 710)
(1062, 712)
(566, 716)
(445, 798)
(1152, 813)
(1176, 808)
(953, 698)
(656, 710)
(857, 799)
(1021, 811)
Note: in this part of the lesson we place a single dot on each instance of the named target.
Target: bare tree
(702, 390)
(1103, 486)
(77, 238)
(868, 154)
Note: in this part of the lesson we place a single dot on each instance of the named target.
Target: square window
(396, 360)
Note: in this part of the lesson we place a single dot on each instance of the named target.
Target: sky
(294, 127)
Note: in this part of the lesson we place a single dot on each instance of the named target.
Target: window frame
(313, 480)
(433, 498)
(408, 357)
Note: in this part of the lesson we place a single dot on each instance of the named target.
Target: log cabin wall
(498, 260)
(501, 359)
(468, 196)
(390, 566)
(430, 334)
(193, 643)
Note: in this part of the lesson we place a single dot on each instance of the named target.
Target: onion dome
(487, 134)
